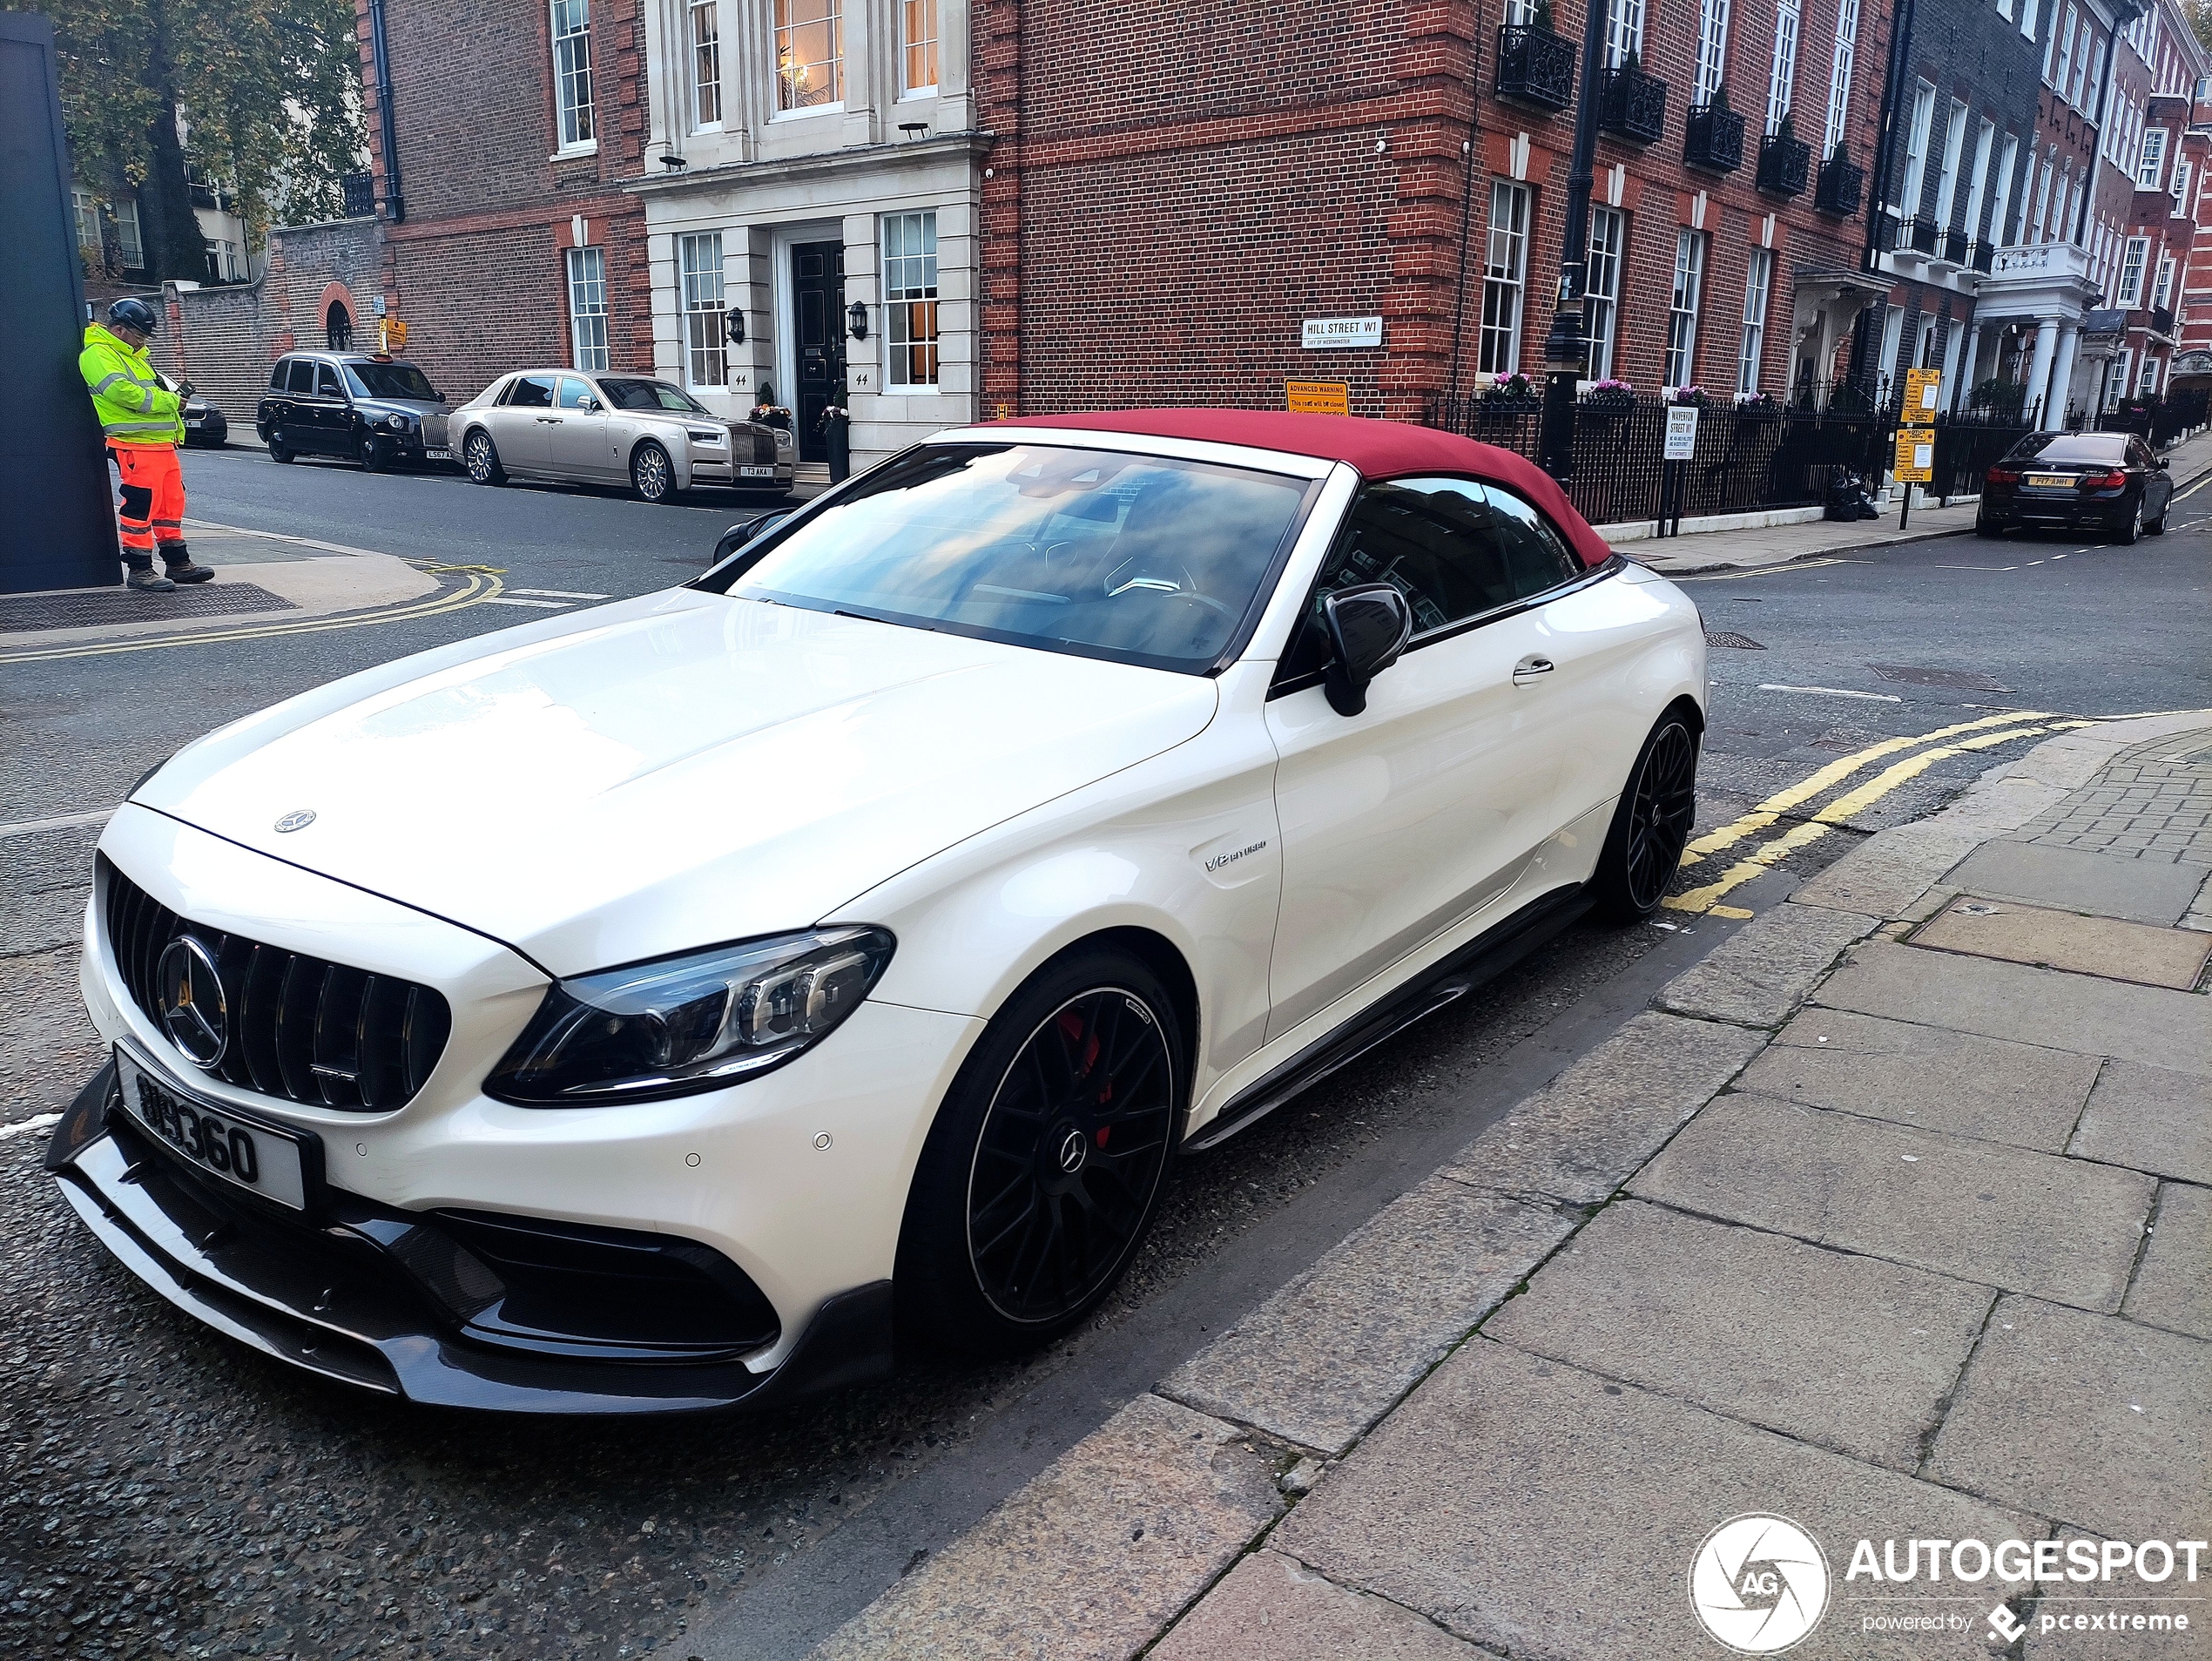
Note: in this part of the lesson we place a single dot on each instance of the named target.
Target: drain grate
(1965, 680)
(31, 613)
(1739, 642)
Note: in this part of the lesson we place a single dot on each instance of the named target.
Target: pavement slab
(2173, 1288)
(2148, 1118)
(1580, 1138)
(1761, 973)
(1328, 1354)
(1273, 1608)
(2040, 1006)
(1091, 1558)
(1991, 1089)
(2078, 879)
(2064, 1229)
(1551, 1515)
(2088, 1419)
(2068, 940)
(1848, 1353)
(1885, 874)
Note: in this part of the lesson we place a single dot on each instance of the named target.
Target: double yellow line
(477, 583)
(1988, 732)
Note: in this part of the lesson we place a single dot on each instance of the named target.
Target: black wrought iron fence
(1748, 456)
(2160, 420)
(1967, 446)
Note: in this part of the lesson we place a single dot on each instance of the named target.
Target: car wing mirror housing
(1368, 626)
(746, 530)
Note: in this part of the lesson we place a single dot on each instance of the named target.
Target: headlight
(700, 1022)
(701, 436)
(396, 422)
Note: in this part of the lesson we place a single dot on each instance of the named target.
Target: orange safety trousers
(152, 510)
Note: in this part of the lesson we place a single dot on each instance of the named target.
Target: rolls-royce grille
(299, 1027)
(764, 448)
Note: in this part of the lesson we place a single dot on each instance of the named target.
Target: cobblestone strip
(2153, 802)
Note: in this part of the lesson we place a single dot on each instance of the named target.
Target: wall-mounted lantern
(733, 326)
(859, 315)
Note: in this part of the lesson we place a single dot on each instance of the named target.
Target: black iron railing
(1917, 235)
(1713, 138)
(361, 195)
(2161, 320)
(1632, 103)
(1967, 445)
(1981, 255)
(1535, 66)
(1842, 187)
(1784, 164)
(1953, 246)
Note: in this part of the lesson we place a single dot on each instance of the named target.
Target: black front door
(818, 295)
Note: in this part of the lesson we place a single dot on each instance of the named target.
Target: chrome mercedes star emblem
(298, 818)
(1072, 1150)
(188, 994)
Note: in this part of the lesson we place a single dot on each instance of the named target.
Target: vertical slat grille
(301, 1028)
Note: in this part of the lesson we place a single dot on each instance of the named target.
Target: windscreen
(1142, 559)
(2055, 448)
(649, 394)
(390, 380)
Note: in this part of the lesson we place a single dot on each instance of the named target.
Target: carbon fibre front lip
(356, 1328)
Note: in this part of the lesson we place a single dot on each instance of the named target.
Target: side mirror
(747, 531)
(1368, 626)
(592, 405)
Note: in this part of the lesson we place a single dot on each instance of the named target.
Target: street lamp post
(1566, 349)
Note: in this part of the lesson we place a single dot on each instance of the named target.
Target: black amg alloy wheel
(1651, 825)
(1042, 1174)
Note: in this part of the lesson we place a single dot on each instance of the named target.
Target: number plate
(2049, 481)
(756, 472)
(242, 1150)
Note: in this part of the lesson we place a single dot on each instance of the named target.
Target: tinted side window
(303, 377)
(326, 383)
(278, 375)
(532, 392)
(573, 394)
(1453, 548)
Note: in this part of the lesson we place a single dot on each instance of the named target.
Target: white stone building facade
(813, 170)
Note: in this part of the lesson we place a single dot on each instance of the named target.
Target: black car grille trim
(764, 448)
(321, 1034)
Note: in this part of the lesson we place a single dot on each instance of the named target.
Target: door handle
(1530, 667)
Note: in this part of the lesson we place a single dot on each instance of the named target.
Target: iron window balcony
(1917, 235)
(1713, 138)
(1979, 254)
(1535, 66)
(1842, 187)
(1784, 165)
(1632, 103)
(2161, 320)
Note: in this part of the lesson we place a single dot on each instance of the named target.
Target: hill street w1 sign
(1315, 332)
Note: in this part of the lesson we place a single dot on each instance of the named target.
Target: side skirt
(1482, 959)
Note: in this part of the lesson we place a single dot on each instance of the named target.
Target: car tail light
(2103, 481)
(2003, 475)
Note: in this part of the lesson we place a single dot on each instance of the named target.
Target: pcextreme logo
(1759, 1583)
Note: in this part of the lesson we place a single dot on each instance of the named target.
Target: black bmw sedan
(2106, 481)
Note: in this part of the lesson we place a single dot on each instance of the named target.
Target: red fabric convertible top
(1379, 450)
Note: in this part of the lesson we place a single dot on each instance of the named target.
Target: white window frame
(912, 314)
(130, 235)
(1916, 153)
(1977, 184)
(1608, 248)
(1624, 32)
(1782, 71)
(2084, 48)
(2057, 56)
(703, 18)
(2123, 364)
(2069, 229)
(2150, 161)
(1758, 285)
(2000, 234)
(575, 127)
(587, 281)
(702, 297)
(1712, 50)
(1954, 146)
(1505, 278)
(2147, 386)
(783, 30)
(2184, 173)
(2041, 224)
(2134, 257)
(921, 16)
(1839, 75)
(1683, 302)
(2028, 18)
(2162, 290)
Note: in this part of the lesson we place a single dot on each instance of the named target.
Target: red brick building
(1166, 212)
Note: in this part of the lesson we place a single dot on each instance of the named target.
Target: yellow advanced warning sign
(1921, 388)
(1915, 462)
(1318, 398)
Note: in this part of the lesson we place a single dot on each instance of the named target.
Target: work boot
(189, 572)
(146, 582)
